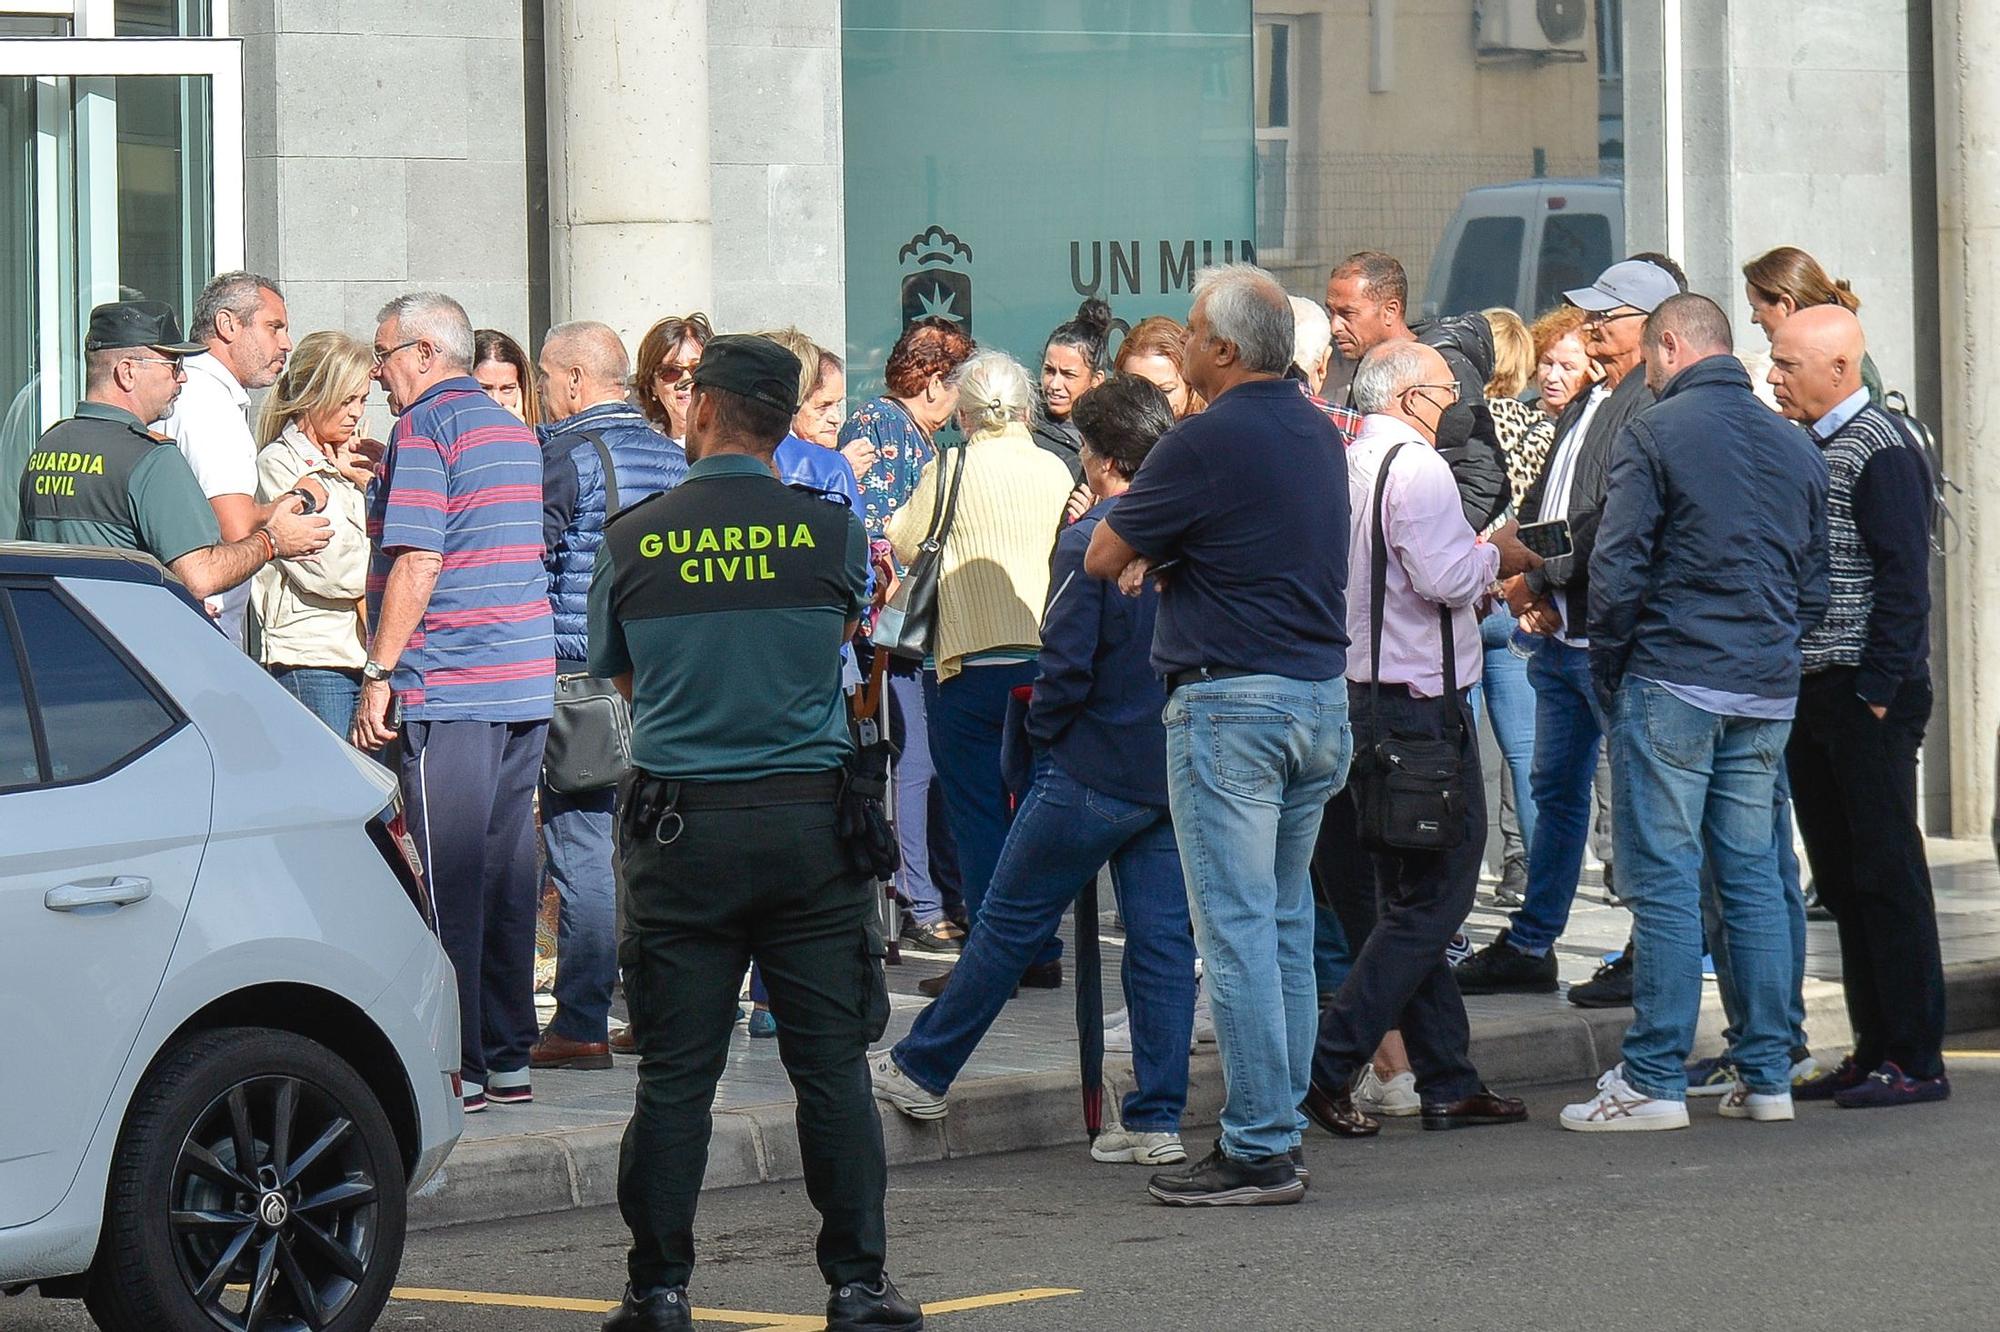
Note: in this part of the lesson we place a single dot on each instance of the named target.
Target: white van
(1522, 245)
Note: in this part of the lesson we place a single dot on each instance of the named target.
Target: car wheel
(257, 1187)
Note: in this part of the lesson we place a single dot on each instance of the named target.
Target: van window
(1576, 247)
(1487, 267)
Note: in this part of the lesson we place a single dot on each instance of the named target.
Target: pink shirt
(1434, 558)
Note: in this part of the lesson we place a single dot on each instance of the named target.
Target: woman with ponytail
(1072, 365)
(1784, 281)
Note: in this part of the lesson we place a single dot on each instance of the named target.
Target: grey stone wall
(775, 143)
(387, 148)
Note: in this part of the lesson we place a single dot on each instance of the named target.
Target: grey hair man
(463, 641)
(1248, 501)
(599, 455)
(240, 320)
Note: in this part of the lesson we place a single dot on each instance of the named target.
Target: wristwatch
(305, 498)
(374, 671)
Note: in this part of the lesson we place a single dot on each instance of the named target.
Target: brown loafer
(624, 1042)
(1482, 1107)
(933, 986)
(1335, 1112)
(553, 1051)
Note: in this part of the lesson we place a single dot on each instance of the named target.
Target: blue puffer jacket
(573, 496)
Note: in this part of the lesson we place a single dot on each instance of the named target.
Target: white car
(230, 1035)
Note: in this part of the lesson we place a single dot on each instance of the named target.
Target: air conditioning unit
(1504, 27)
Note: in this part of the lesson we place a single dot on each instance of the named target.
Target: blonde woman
(992, 586)
(1525, 432)
(310, 609)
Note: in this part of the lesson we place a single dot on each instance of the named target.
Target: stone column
(629, 216)
(1967, 50)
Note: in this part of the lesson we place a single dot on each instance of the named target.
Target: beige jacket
(995, 571)
(310, 608)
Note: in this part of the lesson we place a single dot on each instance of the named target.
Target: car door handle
(121, 891)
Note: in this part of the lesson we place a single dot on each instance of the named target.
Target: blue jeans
(1688, 785)
(1250, 764)
(1333, 955)
(1508, 700)
(1063, 832)
(576, 835)
(328, 693)
(914, 773)
(1568, 729)
(1795, 917)
(967, 714)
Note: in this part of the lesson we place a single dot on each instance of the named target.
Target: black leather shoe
(1222, 1181)
(1501, 968)
(1609, 987)
(1336, 1112)
(854, 1307)
(1482, 1107)
(662, 1311)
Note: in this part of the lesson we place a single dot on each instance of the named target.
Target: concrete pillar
(1967, 51)
(629, 216)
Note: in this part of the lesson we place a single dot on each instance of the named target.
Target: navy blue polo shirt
(1252, 496)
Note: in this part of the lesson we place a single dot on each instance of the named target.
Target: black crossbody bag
(590, 732)
(1407, 788)
(907, 627)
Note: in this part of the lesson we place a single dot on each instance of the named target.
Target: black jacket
(1479, 465)
(1571, 573)
(1710, 562)
(1060, 438)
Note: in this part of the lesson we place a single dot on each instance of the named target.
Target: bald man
(599, 455)
(1863, 706)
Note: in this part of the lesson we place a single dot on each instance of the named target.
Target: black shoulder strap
(945, 508)
(1378, 586)
(611, 504)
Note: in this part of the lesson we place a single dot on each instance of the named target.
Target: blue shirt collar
(456, 384)
(1849, 407)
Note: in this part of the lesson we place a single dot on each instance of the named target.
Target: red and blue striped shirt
(463, 478)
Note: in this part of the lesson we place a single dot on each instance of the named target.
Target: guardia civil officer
(719, 608)
(99, 478)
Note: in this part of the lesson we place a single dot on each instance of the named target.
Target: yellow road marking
(1950, 1053)
(763, 1322)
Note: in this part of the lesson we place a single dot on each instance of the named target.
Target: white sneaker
(1119, 1146)
(1806, 1070)
(1118, 1032)
(1765, 1108)
(1204, 1017)
(1395, 1098)
(1617, 1108)
(894, 1086)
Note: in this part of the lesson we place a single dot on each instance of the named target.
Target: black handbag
(589, 746)
(907, 627)
(1408, 791)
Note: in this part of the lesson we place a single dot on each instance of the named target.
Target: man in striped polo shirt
(463, 638)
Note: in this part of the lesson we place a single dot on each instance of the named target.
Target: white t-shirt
(1562, 479)
(209, 423)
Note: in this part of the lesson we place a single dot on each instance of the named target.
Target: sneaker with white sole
(1619, 1108)
(893, 1085)
(1118, 1032)
(1805, 1068)
(1395, 1098)
(1117, 1145)
(1764, 1107)
(1204, 1016)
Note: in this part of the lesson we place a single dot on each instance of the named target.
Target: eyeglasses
(381, 355)
(1606, 317)
(179, 367)
(1412, 388)
(671, 373)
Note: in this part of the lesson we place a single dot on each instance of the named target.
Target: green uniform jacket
(100, 478)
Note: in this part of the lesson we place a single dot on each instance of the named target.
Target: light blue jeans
(1250, 764)
(1688, 785)
(1795, 921)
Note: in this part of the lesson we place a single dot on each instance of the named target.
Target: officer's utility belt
(652, 806)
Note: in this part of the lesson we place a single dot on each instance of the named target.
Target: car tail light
(392, 838)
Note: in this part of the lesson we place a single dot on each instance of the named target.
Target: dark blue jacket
(1098, 703)
(1711, 556)
(573, 497)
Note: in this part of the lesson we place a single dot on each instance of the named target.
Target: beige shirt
(310, 608)
(995, 571)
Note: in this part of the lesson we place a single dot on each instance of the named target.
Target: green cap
(751, 367)
(138, 324)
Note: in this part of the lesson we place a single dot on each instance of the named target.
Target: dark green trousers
(766, 881)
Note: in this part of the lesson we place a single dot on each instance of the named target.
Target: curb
(525, 1175)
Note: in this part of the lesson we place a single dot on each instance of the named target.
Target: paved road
(1528, 1227)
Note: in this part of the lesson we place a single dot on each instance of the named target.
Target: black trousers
(1854, 791)
(1400, 909)
(767, 880)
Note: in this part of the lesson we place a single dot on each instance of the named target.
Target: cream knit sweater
(995, 574)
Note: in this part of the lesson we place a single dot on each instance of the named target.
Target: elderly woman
(505, 372)
(1099, 794)
(991, 583)
(1153, 350)
(663, 376)
(887, 442)
(312, 633)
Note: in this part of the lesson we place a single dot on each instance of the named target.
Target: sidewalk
(1020, 1090)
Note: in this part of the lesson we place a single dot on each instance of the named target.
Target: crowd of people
(1218, 604)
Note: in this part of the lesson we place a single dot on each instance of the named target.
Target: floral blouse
(901, 450)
